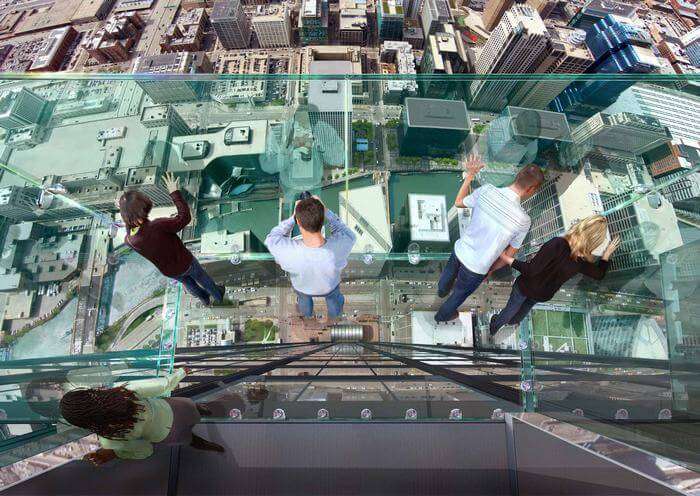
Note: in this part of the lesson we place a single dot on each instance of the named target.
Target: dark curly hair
(108, 412)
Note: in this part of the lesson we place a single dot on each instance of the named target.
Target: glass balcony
(79, 308)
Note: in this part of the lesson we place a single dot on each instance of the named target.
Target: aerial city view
(398, 121)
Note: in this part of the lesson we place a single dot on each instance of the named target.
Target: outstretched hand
(614, 245)
(473, 164)
(171, 182)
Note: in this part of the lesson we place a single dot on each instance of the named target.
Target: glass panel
(383, 153)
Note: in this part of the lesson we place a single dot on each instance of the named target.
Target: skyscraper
(558, 204)
(517, 45)
(313, 22)
(493, 12)
(634, 336)
(676, 110)
(434, 14)
(390, 14)
(691, 43)
(330, 109)
(20, 108)
(647, 226)
(18, 203)
(433, 127)
(170, 91)
(618, 46)
(568, 54)
(596, 10)
(272, 27)
(444, 54)
(626, 132)
(231, 24)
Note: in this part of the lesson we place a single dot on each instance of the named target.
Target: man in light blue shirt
(313, 262)
(498, 225)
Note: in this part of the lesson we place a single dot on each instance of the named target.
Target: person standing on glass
(157, 241)
(313, 262)
(498, 225)
(130, 419)
(557, 261)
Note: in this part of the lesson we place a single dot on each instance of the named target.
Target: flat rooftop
(217, 147)
(74, 148)
(433, 112)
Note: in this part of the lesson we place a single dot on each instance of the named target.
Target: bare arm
(472, 167)
(506, 258)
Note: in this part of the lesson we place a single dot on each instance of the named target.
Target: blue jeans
(334, 301)
(200, 284)
(465, 283)
(515, 310)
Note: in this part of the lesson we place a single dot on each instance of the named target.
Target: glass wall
(386, 154)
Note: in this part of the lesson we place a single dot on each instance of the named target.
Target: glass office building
(595, 392)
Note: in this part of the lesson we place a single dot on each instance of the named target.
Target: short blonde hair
(587, 235)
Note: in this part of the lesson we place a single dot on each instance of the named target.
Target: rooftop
(436, 113)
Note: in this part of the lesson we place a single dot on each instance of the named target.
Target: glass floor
(79, 308)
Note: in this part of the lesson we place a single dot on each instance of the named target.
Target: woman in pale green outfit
(131, 418)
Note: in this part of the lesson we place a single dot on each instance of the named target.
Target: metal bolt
(526, 386)
(497, 414)
(278, 414)
(578, 412)
(366, 414)
(455, 414)
(235, 259)
(413, 253)
(665, 414)
(322, 414)
(235, 414)
(622, 414)
(411, 414)
(522, 344)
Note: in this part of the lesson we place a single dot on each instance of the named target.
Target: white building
(458, 332)
(516, 45)
(428, 218)
(223, 242)
(399, 54)
(272, 26)
(366, 211)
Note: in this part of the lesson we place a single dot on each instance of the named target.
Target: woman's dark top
(157, 240)
(551, 267)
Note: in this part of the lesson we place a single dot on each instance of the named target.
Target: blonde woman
(558, 260)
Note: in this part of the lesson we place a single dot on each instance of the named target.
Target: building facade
(517, 45)
(390, 17)
(231, 24)
(272, 26)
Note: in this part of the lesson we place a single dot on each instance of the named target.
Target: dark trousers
(334, 302)
(462, 281)
(199, 283)
(516, 309)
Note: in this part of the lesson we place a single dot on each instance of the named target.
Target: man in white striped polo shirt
(498, 224)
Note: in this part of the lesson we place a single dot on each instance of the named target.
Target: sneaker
(492, 326)
(222, 292)
(450, 319)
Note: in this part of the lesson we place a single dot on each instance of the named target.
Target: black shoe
(492, 326)
(222, 292)
(454, 316)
